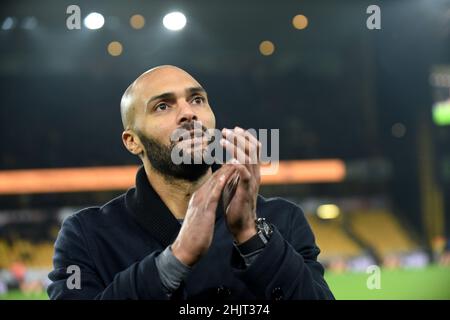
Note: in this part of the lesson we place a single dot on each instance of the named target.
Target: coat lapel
(149, 210)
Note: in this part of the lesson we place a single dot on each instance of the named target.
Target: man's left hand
(241, 211)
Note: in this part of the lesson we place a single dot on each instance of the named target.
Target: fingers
(237, 152)
(256, 153)
(237, 137)
(208, 196)
(242, 145)
(244, 173)
(218, 181)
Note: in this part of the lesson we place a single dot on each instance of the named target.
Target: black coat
(115, 248)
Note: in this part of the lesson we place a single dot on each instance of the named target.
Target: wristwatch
(259, 240)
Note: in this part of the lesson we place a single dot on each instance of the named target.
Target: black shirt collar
(145, 205)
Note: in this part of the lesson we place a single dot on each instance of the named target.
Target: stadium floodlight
(174, 21)
(8, 23)
(94, 20)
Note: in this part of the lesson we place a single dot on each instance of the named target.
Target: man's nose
(186, 113)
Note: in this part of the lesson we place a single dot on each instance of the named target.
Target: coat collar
(145, 205)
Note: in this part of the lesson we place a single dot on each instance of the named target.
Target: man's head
(157, 103)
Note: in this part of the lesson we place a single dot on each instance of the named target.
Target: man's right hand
(196, 233)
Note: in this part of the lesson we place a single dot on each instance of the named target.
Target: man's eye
(198, 99)
(162, 107)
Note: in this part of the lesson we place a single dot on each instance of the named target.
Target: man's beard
(159, 156)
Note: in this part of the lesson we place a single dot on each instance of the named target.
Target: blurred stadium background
(364, 119)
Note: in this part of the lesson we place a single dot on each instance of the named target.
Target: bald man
(186, 231)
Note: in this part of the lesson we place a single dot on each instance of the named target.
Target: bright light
(328, 211)
(300, 22)
(8, 24)
(94, 21)
(441, 113)
(137, 21)
(115, 48)
(174, 21)
(266, 48)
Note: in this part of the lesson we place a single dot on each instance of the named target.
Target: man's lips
(192, 142)
(193, 134)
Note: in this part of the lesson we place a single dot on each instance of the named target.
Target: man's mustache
(192, 125)
(189, 130)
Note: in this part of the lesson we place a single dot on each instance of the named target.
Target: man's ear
(131, 142)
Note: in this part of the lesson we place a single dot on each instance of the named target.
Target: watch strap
(253, 244)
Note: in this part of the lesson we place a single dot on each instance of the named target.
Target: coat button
(277, 294)
(223, 292)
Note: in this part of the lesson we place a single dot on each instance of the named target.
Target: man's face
(168, 100)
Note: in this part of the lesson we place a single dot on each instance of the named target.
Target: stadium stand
(332, 240)
(381, 230)
(33, 255)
